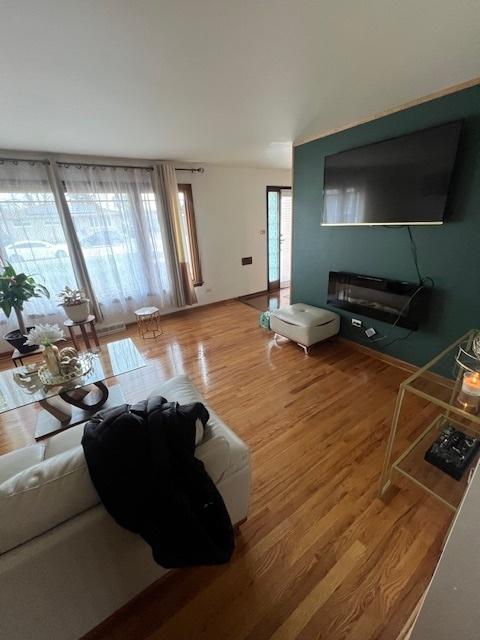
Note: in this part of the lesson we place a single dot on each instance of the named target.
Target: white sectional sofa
(65, 565)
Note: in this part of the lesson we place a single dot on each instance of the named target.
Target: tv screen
(402, 180)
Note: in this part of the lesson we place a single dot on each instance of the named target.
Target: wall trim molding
(395, 362)
(379, 355)
(248, 296)
(454, 88)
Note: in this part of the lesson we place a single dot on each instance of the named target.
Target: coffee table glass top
(114, 359)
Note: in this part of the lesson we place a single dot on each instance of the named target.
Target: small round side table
(70, 324)
(148, 322)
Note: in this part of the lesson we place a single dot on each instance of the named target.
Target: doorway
(279, 237)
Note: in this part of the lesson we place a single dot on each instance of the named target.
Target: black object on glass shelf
(452, 451)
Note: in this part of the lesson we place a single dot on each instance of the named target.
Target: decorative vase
(78, 312)
(17, 340)
(52, 359)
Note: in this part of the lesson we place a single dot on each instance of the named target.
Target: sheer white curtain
(32, 238)
(120, 231)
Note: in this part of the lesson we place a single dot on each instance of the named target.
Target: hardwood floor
(321, 556)
(268, 301)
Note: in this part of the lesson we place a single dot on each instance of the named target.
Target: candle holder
(468, 358)
(469, 395)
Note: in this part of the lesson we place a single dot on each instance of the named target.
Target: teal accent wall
(449, 253)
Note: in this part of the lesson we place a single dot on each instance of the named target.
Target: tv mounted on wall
(394, 301)
(400, 181)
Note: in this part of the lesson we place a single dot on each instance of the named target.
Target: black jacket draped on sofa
(142, 463)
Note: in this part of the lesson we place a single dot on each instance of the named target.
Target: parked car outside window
(106, 242)
(25, 250)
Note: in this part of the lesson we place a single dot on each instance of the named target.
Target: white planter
(78, 312)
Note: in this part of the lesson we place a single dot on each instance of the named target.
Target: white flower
(45, 334)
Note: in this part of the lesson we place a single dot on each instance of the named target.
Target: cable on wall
(413, 248)
(423, 283)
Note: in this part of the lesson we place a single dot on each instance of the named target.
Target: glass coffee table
(74, 401)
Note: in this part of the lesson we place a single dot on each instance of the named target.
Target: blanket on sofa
(142, 463)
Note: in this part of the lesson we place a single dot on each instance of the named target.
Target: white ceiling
(223, 81)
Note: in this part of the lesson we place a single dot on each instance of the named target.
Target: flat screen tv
(393, 301)
(400, 181)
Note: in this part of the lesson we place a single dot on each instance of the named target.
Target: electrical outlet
(356, 322)
(248, 260)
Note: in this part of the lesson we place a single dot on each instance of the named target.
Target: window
(187, 218)
(28, 241)
(116, 222)
(126, 242)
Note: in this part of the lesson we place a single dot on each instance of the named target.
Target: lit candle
(471, 383)
(469, 396)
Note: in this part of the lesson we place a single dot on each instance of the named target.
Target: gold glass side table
(426, 402)
(148, 322)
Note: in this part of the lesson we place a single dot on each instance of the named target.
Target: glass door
(273, 237)
(285, 237)
(279, 236)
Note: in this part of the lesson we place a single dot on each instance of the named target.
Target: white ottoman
(304, 324)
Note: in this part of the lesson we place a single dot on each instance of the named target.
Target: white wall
(230, 212)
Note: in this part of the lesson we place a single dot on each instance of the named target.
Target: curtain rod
(30, 161)
(125, 166)
(101, 164)
(96, 164)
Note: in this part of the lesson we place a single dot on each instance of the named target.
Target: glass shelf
(413, 465)
(426, 403)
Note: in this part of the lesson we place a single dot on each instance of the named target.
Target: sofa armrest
(19, 460)
(215, 455)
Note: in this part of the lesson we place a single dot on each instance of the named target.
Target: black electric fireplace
(396, 302)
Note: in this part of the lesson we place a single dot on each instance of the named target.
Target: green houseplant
(15, 290)
(75, 304)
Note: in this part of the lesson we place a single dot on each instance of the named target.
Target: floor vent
(107, 329)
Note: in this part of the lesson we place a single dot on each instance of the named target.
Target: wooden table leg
(72, 399)
(57, 408)
(72, 338)
(94, 333)
(85, 336)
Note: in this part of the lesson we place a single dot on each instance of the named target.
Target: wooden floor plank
(321, 556)
(315, 600)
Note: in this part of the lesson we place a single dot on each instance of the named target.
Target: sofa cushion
(181, 389)
(43, 496)
(16, 461)
(68, 439)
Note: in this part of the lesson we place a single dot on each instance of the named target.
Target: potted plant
(15, 290)
(75, 304)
